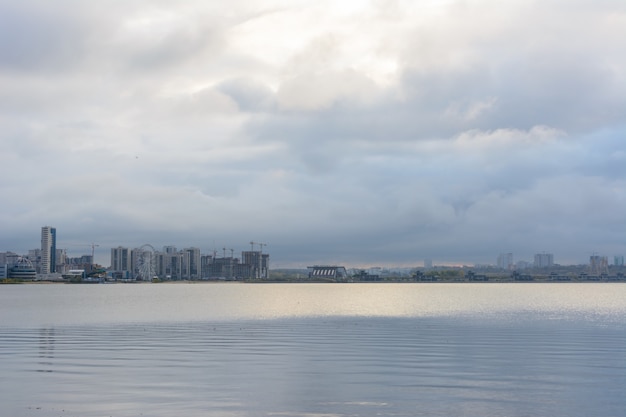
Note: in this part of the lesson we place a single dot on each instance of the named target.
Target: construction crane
(259, 267)
(93, 251)
(230, 266)
(93, 247)
(257, 243)
(261, 259)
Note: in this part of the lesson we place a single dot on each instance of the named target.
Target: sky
(337, 132)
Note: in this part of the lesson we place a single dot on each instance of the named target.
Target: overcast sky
(351, 132)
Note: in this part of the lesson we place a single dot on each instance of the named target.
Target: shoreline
(398, 281)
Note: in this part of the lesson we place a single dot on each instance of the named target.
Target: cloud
(470, 111)
(321, 91)
(249, 94)
(33, 38)
(382, 132)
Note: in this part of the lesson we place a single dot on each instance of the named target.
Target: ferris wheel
(146, 263)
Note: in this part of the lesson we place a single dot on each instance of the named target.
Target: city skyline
(121, 255)
(352, 133)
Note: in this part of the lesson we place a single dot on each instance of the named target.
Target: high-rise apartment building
(505, 261)
(598, 264)
(120, 259)
(543, 260)
(48, 249)
(191, 263)
(145, 263)
(170, 249)
(170, 265)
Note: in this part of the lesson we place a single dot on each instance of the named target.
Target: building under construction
(253, 265)
(146, 263)
(258, 263)
(598, 265)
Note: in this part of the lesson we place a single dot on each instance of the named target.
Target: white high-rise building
(48, 249)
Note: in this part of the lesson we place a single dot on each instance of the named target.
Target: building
(48, 249)
(186, 264)
(221, 268)
(258, 264)
(618, 260)
(13, 265)
(505, 261)
(79, 260)
(120, 259)
(61, 260)
(74, 274)
(169, 265)
(205, 262)
(598, 265)
(543, 260)
(23, 270)
(8, 258)
(328, 273)
(191, 263)
(169, 249)
(34, 256)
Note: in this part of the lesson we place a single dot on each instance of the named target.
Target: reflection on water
(225, 353)
(54, 305)
(46, 349)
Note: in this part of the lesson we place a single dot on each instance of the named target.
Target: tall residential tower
(48, 249)
(120, 259)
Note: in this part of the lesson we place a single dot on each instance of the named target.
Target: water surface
(313, 350)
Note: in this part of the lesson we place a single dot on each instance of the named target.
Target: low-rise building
(327, 273)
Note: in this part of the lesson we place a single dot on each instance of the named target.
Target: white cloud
(313, 92)
(378, 132)
(469, 111)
